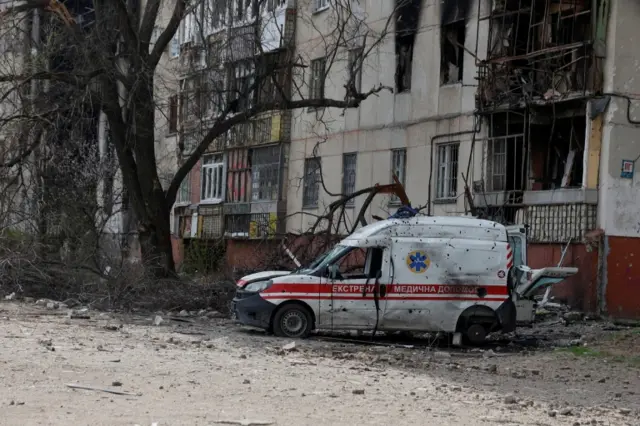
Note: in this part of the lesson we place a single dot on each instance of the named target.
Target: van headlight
(258, 286)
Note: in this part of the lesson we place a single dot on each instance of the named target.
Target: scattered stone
(535, 372)
(441, 355)
(566, 411)
(358, 392)
(573, 316)
(10, 296)
(215, 314)
(602, 380)
(183, 313)
(576, 423)
(552, 413)
(202, 312)
(625, 411)
(51, 305)
(488, 354)
(456, 388)
(493, 368)
(116, 383)
(289, 347)
(243, 356)
(157, 320)
(510, 399)
(246, 382)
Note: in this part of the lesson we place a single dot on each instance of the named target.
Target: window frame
(317, 84)
(402, 177)
(184, 188)
(320, 5)
(212, 189)
(345, 183)
(446, 182)
(355, 64)
(272, 170)
(313, 187)
(172, 116)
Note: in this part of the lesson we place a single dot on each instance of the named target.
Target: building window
(184, 192)
(398, 168)
(497, 164)
(213, 91)
(311, 184)
(355, 68)
(265, 173)
(212, 178)
(217, 14)
(447, 175)
(349, 162)
(173, 114)
(452, 39)
(174, 46)
(189, 142)
(316, 85)
(241, 82)
(407, 16)
(191, 98)
(319, 5)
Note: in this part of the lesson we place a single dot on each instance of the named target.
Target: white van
(430, 274)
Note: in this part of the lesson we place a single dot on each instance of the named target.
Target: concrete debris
(510, 399)
(573, 316)
(625, 411)
(552, 413)
(82, 313)
(157, 320)
(441, 355)
(10, 296)
(358, 392)
(183, 313)
(289, 347)
(244, 422)
(566, 411)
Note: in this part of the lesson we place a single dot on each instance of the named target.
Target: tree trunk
(156, 250)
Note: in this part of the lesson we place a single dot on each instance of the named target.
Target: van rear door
(517, 236)
(542, 279)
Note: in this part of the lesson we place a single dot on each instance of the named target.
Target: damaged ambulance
(455, 275)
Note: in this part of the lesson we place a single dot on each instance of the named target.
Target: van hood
(260, 276)
(534, 280)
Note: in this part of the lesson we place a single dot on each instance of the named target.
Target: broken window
(349, 162)
(556, 143)
(407, 17)
(505, 152)
(316, 83)
(447, 174)
(311, 182)
(191, 98)
(452, 52)
(265, 173)
(212, 178)
(241, 85)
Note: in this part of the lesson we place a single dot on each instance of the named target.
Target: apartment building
(237, 189)
(521, 111)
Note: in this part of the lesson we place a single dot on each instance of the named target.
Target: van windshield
(326, 259)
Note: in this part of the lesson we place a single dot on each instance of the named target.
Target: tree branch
(165, 38)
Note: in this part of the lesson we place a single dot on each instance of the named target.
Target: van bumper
(252, 310)
(507, 315)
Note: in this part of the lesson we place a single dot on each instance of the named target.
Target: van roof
(428, 221)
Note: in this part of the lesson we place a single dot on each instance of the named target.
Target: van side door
(352, 302)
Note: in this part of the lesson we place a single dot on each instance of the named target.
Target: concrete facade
(560, 207)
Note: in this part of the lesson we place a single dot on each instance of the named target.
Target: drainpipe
(477, 128)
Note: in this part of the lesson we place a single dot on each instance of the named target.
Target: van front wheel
(293, 321)
(476, 334)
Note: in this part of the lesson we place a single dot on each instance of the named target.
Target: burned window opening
(452, 41)
(541, 149)
(557, 148)
(407, 18)
(538, 49)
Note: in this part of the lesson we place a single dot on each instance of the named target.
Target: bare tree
(106, 61)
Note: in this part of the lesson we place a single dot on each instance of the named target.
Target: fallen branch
(72, 386)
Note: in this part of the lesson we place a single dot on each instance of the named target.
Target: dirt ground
(195, 370)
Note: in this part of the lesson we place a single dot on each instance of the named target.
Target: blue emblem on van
(418, 261)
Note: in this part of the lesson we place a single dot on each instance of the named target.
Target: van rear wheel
(293, 321)
(476, 334)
